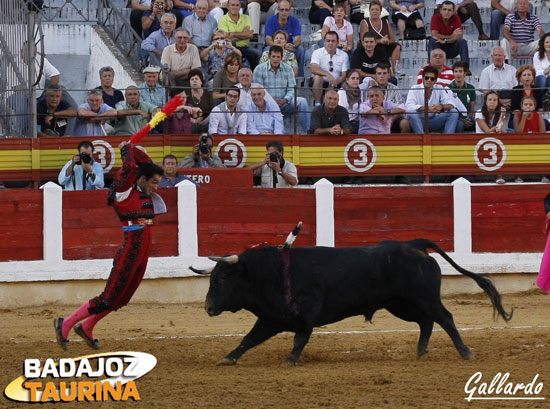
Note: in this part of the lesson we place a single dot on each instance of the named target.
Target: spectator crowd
(208, 52)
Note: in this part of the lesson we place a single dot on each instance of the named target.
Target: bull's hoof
(289, 363)
(421, 355)
(465, 354)
(226, 362)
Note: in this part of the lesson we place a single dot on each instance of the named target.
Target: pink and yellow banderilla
(160, 116)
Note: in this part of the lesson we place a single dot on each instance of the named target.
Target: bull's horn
(201, 272)
(233, 259)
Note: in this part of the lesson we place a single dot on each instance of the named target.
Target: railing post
(53, 222)
(188, 242)
(462, 212)
(324, 215)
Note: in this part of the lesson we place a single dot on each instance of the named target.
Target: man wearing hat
(151, 91)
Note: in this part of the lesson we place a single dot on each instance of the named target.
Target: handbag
(415, 33)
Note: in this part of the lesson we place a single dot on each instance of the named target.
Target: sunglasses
(429, 78)
(232, 95)
(219, 38)
(331, 66)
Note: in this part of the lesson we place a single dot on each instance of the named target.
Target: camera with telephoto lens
(84, 157)
(204, 148)
(274, 157)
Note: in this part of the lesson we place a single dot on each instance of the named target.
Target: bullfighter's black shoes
(58, 325)
(92, 343)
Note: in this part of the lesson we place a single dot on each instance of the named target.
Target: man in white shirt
(225, 119)
(263, 116)
(328, 66)
(499, 76)
(50, 72)
(442, 115)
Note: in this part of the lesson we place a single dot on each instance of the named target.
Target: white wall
(83, 39)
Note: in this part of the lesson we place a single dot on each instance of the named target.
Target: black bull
(329, 284)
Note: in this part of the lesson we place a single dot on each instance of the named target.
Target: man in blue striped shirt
(519, 31)
(278, 79)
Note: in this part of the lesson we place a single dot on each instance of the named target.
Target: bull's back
(342, 282)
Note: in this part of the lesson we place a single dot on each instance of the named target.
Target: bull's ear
(233, 259)
(201, 272)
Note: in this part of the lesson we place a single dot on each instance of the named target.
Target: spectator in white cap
(151, 91)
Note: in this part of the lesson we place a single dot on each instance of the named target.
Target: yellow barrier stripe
(301, 155)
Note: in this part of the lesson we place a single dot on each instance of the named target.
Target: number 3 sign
(490, 154)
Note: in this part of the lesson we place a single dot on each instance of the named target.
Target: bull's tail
(481, 280)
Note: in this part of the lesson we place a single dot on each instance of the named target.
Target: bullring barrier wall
(53, 240)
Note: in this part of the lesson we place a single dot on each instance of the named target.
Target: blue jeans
(252, 55)
(319, 16)
(299, 52)
(304, 112)
(542, 81)
(445, 121)
(460, 47)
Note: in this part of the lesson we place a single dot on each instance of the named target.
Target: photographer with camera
(214, 55)
(274, 170)
(202, 155)
(82, 172)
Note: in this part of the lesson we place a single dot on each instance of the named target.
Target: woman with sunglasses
(216, 52)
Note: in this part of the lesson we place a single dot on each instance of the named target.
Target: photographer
(202, 155)
(274, 170)
(82, 172)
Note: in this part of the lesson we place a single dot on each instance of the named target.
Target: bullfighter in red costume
(136, 203)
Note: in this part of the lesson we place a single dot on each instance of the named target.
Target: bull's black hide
(330, 284)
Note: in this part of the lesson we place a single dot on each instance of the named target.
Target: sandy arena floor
(350, 364)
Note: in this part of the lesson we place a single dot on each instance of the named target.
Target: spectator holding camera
(214, 55)
(274, 170)
(202, 156)
(82, 172)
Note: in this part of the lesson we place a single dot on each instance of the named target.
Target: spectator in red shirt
(447, 33)
(437, 60)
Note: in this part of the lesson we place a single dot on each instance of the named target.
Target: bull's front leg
(260, 332)
(301, 338)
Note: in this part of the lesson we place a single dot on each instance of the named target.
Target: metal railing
(69, 11)
(116, 24)
(20, 42)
